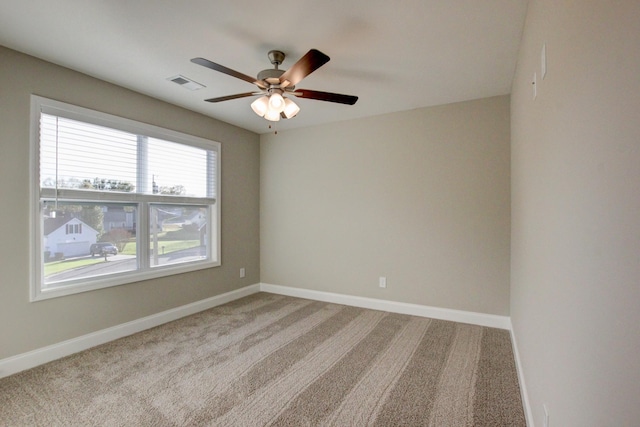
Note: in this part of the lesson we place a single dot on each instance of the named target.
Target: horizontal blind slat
(85, 155)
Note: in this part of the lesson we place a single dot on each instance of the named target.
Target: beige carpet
(274, 360)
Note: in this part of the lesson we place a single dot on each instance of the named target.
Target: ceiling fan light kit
(274, 85)
(276, 102)
(273, 106)
(260, 106)
(272, 116)
(290, 108)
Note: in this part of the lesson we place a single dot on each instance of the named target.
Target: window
(74, 228)
(117, 201)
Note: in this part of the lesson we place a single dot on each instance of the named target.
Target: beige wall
(26, 326)
(575, 295)
(421, 197)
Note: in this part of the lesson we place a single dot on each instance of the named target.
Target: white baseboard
(481, 319)
(20, 362)
(46, 354)
(523, 388)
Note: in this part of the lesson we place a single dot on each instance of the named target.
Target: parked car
(103, 248)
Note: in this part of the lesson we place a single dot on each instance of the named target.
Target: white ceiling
(395, 55)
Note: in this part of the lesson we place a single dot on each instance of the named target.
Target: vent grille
(180, 80)
(186, 82)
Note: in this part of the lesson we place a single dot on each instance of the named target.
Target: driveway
(122, 263)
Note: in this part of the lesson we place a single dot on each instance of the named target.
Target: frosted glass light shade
(272, 115)
(276, 102)
(290, 108)
(260, 106)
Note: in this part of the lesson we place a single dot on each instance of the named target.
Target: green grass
(168, 245)
(172, 238)
(129, 248)
(60, 266)
(164, 247)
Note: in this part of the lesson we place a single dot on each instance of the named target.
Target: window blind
(79, 155)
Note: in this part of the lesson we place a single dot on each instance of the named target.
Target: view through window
(119, 201)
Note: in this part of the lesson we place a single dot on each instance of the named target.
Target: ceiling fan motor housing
(271, 76)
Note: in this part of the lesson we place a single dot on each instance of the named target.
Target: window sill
(69, 288)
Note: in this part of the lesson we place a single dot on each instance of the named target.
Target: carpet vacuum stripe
(456, 391)
(266, 404)
(275, 360)
(361, 406)
(321, 398)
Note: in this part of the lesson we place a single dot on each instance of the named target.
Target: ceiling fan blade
(229, 97)
(325, 96)
(228, 71)
(306, 65)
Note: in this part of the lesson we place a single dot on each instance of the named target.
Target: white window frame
(144, 271)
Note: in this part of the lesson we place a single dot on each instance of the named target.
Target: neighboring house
(68, 236)
(118, 217)
(196, 218)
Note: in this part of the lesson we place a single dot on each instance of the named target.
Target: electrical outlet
(242, 272)
(382, 282)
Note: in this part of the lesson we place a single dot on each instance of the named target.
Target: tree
(176, 190)
(118, 236)
(111, 185)
(90, 214)
(93, 216)
(87, 184)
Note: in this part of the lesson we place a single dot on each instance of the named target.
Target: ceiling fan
(274, 85)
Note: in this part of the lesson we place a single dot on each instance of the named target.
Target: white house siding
(74, 248)
(75, 244)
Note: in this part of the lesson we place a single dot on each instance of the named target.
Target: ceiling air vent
(185, 82)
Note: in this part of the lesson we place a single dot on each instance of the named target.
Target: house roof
(52, 224)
